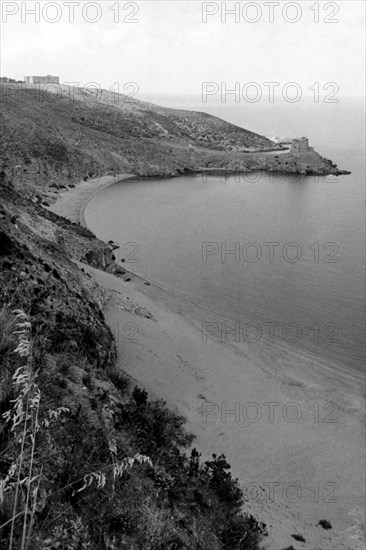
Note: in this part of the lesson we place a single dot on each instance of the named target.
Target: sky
(166, 47)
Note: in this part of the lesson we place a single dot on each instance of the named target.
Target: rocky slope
(55, 139)
(52, 136)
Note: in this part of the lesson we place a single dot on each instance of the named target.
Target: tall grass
(22, 418)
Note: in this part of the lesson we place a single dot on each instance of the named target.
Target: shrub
(242, 533)
(140, 396)
(120, 381)
(156, 428)
(217, 471)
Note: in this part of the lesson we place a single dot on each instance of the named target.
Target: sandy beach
(299, 458)
(71, 203)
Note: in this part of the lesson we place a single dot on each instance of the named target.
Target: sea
(273, 260)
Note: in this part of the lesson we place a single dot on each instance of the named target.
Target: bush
(140, 396)
(242, 533)
(221, 482)
(120, 381)
(157, 428)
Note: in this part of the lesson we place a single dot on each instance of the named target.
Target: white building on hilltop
(49, 79)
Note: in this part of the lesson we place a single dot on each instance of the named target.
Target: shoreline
(170, 346)
(71, 203)
(99, 184)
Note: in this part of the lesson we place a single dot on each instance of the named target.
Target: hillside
(73, 136)
(52, 139)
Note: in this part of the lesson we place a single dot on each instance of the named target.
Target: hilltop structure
(48, 79)
(300, 145)
(295, 145)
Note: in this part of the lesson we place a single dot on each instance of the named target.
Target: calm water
(320, 297)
